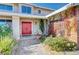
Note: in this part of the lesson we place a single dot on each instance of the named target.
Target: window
(26, 9)
(6, 7)
(4, 22)
(39, 11)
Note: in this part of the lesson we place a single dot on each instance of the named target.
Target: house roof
(62, 9)
(40, 6)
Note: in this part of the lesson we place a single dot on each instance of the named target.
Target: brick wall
(65, 24)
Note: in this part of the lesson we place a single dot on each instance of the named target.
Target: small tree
(5, 31)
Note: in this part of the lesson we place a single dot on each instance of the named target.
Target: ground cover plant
(60, 44)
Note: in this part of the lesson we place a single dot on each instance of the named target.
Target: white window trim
(40, 11)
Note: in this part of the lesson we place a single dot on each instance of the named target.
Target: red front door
(26, 28)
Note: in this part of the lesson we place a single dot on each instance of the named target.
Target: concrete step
(29, 37)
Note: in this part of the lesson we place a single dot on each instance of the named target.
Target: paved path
(29, 47)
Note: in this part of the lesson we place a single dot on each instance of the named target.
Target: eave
(62, 9)
(21, 15)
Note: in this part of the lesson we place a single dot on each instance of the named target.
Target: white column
(47, 26)
(16, 27)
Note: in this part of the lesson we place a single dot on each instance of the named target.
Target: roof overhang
(21, 15)
(62, 9)
(32, 4)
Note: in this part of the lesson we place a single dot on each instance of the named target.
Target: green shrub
(6, 42)
(6, 45)
(5, 31)
(60, 44)
(42, 39)
(70, 46)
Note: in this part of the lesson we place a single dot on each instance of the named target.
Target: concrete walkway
(29, 47)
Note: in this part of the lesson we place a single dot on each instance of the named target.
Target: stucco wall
(43, 11)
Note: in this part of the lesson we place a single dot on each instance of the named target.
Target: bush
(6, 42)
(6, 45)
(60, 44)
(5, 31)
(42, 39)
(70, 46)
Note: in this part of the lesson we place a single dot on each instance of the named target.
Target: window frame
(26, 6)
(39, 11)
